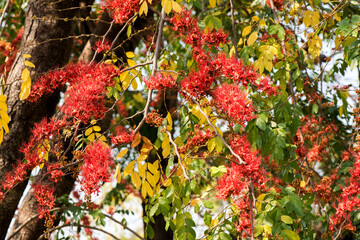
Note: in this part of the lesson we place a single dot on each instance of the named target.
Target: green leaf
(207, 218)
(286, 219)
(291, 235)
(154, 209)
(208, 204)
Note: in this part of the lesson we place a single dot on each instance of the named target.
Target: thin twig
(178, 155)
(3, 14)
(218, 134)
(155, 59)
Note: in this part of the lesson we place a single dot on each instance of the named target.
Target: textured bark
(45, 55)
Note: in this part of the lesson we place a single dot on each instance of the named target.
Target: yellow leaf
(143, 9)
(176, 7)
(255, 18)
(167, 6)
(262, 22)
(26, 84)
(122, 153)
(29, 64)
(3, 114)
(27, 56)
(117, 174)
(130, 54)
(93, 122)
(153, 179)
(302, 184)
(195, 201)
(135, 179)
(5, 126)
(88, 131)
(2, 98)
(96, 128)
(142, 169)
(167, 182)
(131, 62)
(170, 122)
(136, 141)
(25, 91)
(252, 38)
(166, 151)
(246, 31)
(91, 137)
(337, 17)
(311, 18)
(129, 168)
(153, 169)
(146, 190)
(1, 135)
(134, 84)
(211, 145)
(212, 3)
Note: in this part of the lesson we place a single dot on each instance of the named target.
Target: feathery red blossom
(86, 92)
(96, 168)
(85, 97)
(122, 137)
(234, 102)
(183, 22)
(235, 183)
(237, 177)
(41, 132)
(160, 81)
(45, 197)
(121, 10)
(102, 47)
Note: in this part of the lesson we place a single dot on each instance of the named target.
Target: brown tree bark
(45, 55)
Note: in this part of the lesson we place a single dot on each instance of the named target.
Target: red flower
(96, 168)
(234, 102)
(121, 10)
(102, 47)
(160, 81)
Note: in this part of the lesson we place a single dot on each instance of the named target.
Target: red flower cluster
(210, 68)
(235, 182)
(102, 47)
(45, 197)
(160, 81)
(96, 168)
(42, 132)
(122, 137)
(234, 102)
(277, 3)
(9, 50)
(121, 10)
(237, 177)
(86, 92)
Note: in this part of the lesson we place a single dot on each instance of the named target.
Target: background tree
(239, 112)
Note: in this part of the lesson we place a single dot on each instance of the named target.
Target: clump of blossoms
(234, 102)
(235, 183)
(85, 96)
(101, 46)
(46, 201)
(122, 136)
(154, 118)
(97, 167)
(210, 67)
(160, 81)
(121, 10)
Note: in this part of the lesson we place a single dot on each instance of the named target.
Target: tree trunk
(45, 55)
